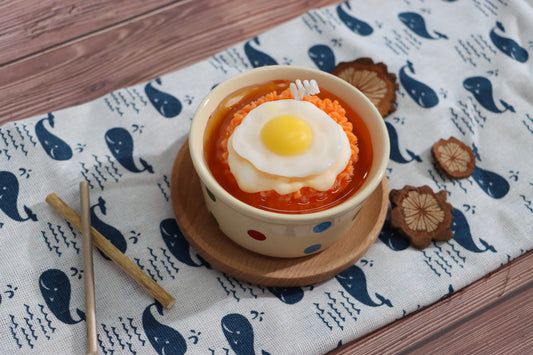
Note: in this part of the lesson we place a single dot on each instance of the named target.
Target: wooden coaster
(222, 253)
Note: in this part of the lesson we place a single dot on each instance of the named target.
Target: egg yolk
(287, 135)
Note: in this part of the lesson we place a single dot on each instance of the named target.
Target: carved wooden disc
(222, 253)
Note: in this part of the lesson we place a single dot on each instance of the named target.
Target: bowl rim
(207, 178)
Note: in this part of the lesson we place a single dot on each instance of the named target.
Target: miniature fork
(299, 90)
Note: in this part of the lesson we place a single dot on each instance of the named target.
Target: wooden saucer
(222, 253)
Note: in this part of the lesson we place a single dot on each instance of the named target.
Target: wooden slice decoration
(373, 80)
(225, 255)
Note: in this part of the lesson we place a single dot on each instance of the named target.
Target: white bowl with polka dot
(280, 234)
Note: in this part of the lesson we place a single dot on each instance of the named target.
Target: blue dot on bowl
(321, 227)
(312, 248)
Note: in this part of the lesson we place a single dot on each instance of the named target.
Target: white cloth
(440, 51)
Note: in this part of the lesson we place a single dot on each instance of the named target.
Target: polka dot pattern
(256, 235)
(319, 228)
(312, 248)
(210, 194)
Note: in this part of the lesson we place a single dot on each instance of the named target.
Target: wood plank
(483, 331)
(135, 51)
(478, 306)
(28, 26)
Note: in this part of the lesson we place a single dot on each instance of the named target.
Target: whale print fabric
(464, 70)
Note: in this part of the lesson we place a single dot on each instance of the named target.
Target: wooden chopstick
(113, 253)
(88, 271)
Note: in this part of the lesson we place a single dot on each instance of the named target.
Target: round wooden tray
(222, 253)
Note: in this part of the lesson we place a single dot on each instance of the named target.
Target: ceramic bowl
(279, 234)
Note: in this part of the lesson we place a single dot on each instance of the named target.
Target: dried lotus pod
(454, 158)
(373, 80)
(420, 215)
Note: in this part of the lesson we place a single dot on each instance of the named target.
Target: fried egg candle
(285, 176)
(287, 155)
(285, 145)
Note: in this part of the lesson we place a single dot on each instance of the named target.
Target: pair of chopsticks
(90, 236)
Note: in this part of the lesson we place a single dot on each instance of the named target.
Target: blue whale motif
(288, 295)
(55, 289)
(422, 94)
(55, 147)
(481, 88)
(462, 235)
(9, 192)
(353, 280)
(177, 244)
(120, 143)
(166, 104)
(493, 184)
(323, 57)
(450, 291)
(395, 154)
(164, 339)
(416, 23)
(111, 233)
(256, 57)
(360, 27)
(392, 239)
(507, 45)
(239, 333)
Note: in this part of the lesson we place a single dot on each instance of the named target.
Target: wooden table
(55, 54)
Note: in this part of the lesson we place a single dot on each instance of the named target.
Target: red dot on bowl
(256, 235)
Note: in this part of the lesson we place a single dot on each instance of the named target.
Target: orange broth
(215, 134)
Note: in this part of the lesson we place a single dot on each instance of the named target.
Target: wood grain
(48, 23)
(86, 67)
(53, 58)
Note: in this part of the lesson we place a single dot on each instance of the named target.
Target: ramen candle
(281, 176)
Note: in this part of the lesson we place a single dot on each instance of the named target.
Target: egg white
(257, 169)
(253, 180)
(328, 137)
